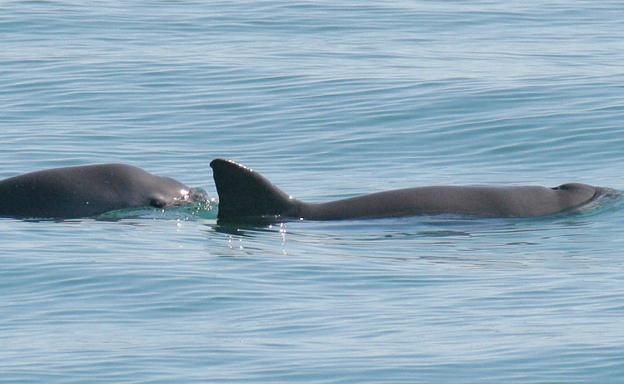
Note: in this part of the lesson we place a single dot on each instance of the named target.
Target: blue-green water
(327, 100)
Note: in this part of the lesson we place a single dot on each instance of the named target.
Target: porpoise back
(85, 191)
(245, 194)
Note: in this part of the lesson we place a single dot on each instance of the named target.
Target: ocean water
(328, 100)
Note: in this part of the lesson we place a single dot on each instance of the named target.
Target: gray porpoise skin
(86, 191)
(244, 193)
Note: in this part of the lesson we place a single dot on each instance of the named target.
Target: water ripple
(328, 100)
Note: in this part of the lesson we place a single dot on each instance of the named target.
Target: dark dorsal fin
(244, 193)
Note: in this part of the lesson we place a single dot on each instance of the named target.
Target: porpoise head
(577, 194)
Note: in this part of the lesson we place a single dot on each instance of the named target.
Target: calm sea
(327, 99)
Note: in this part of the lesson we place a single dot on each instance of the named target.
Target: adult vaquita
(245, 194)
(92, 190)
(89, 191)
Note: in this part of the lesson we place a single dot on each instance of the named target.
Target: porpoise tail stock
(246, 195)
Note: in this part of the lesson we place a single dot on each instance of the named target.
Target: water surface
(328, 100)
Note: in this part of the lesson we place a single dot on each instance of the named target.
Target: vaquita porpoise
(91, 190)
(88, 191)
(243, 193)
